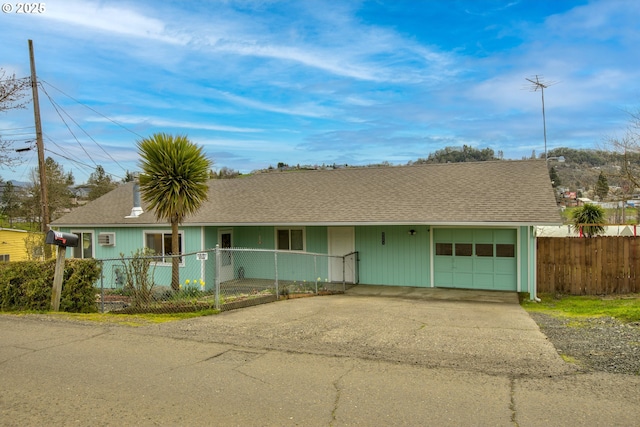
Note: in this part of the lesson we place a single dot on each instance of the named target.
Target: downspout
(534, 282)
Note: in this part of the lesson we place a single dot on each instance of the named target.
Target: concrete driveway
(481, 331)
(353, 359)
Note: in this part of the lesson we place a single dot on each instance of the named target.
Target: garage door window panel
(505, 251)
(484, 250)
(464, 249)
(444, 249)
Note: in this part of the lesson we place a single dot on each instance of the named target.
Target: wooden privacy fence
(589, 266)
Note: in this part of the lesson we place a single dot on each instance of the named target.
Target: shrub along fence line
(27, 285)
(219, 279)
(588, 266)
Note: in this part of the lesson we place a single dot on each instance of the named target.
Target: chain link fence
(220, 279)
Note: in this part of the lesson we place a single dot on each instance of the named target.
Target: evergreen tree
(555, 179)
(129, 177)
(10, 202)
(602, 186)
(58, 189)
(100, 183)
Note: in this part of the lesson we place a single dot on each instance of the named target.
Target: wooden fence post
(57, 279)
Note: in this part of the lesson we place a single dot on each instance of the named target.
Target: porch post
(344, 284)
(217, 277)
(275, 261)
(101, 286)
(315, 271)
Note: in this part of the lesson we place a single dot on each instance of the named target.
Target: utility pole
(44, 199)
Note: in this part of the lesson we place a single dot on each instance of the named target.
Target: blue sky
(313, 82)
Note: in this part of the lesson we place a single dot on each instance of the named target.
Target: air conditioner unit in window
(107, 239)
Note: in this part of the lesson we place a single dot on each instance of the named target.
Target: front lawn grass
(625, 308)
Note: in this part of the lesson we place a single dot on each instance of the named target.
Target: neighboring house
(461, 225)
(12, 245)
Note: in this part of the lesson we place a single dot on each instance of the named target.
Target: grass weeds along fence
(588, 266)
(220, 279)
(625, 308)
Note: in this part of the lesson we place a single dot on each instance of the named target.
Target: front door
(225, 239)
(341, 242)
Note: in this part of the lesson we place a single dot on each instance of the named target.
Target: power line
(55, 106)
(84, 131)
(27, 127)
(77, 162)
(68, 156)
(95, 111)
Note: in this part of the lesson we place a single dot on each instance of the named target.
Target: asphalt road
(326, 361)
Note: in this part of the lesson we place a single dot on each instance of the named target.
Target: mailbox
(61, 239)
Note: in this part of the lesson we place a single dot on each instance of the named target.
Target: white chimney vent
(136, 211)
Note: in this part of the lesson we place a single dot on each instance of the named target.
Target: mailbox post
(63, 241)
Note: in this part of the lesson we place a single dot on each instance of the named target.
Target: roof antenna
(535, 85)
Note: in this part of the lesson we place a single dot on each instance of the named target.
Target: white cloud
(112, 19)
(307, 109)
(161, 122)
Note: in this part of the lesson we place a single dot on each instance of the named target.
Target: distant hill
(577, 169)
(581, 168)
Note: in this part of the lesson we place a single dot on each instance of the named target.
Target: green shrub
(26, 285)
(78, 292)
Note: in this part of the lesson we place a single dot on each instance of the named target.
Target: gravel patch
(597, 344)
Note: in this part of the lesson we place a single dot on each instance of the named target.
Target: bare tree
(629, 147)
(12, 94)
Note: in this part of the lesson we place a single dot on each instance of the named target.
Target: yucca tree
(588, 214)
(173, 183)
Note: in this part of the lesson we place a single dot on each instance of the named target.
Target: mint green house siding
(389, 255)
(500, 258)
(128, 240)
(258, 265)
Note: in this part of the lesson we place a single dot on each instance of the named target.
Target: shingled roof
(499, 192)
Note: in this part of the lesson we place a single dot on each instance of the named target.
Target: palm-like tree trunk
(173, 183)
(175, 261)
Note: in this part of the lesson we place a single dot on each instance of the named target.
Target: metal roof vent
(136, 210)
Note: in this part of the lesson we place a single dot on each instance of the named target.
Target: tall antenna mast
(535, 85)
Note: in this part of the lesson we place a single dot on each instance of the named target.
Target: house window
(85, 244)
(160, 243)
(505, 250)
(290, 239)
(4, 258)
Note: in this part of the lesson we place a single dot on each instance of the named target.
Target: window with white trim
(85, 245)
(290, 239)
(160, 243)
(4, 258)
